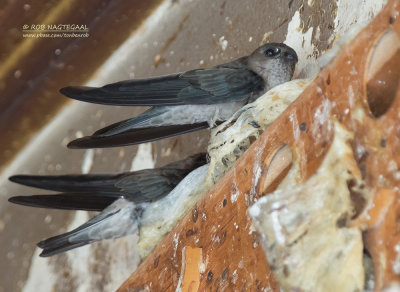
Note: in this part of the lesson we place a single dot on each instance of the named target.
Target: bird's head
(275, 62)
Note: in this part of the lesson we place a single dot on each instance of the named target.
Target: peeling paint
(301, 42)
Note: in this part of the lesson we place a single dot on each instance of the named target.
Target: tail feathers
(131, 124)
(68, 201)
(134, 137)
(67, 241)
(102, 183)
(119, 219)
(65, 246)
(108, 129)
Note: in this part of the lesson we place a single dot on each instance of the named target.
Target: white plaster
(301, 43)
(36, 281)
(87, 161)
(143, 158)
(352, 12)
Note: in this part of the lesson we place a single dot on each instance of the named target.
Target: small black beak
(289, 56)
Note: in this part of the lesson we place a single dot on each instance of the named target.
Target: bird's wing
(141, 186)
(70, 183)
(119, 219)
(68, 201)
(79, 192)
(203, 86)
(134, 137)
(222, 84)
(96, 192)
(151, 184)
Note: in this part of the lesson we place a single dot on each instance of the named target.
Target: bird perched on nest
(154, 200)
(126, 201)
(186, 102)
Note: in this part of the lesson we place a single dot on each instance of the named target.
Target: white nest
(232, 138)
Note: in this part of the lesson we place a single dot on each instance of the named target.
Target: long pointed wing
(229, 82)
(67, 201)
(96, 192)
(135, 137)
(71, 183)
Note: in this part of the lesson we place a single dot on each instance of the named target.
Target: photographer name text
(55, 27)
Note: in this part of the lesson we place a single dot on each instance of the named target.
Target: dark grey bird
(121, 199)
(186, 102)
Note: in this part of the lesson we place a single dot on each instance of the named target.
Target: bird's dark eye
(271, 52)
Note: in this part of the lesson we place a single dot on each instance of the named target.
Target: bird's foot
(254, 124)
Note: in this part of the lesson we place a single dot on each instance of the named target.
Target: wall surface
(179, 35)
